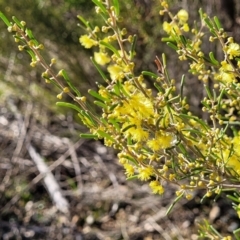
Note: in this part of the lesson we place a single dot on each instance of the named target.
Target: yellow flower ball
(182, 16)
(87, 42)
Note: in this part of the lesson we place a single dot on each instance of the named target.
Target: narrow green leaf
(183, 40)
(116, 6)
(208, 91)
(159, 88)
(116, 89)
(213, 59)
(31, 53)
(201, 13)
(191, 130)
(181, 89)
(113, 106)
(54, 82)
(99, 69)
(192, 58)
(158, 122)
(88, 116)
(237, 123)
(174, 202)
(182, 149)
(217, 22)
(132, 177)
(104, 121)
(100, 104)
(131, 159)
(209, 23)
(215, 231)
(29, 33)
(88, 135)
(174, 99)
(150, 74)
(81, 116)
(173, 46)
(129, 141)
(164, 60)
(20, 40)
(110, 47)
(201, 122)
(167, 39)
(133, 46)
(234, 199)
(83, 21)
(237, 234)
(168, 92)
(213, 32)
(223, 131)
(68, 105)
(67, 79)
(17, 22)
(5, 20)
(199, 151)
(119, 89)
(115, 124)
(99, 4)
(205, 104)
(122, 89)
(128, 127)
(97, 95)
(105, 135)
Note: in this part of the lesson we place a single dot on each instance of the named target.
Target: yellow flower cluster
(87, 42)
(156, 187)
(233, 50)
(178, 24)
(101, 58)
(226, 73)
(161, 141)
(232, 157)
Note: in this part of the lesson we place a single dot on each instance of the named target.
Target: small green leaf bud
(45, 74)
(161, 12)
(53, 60)
(130, 38)
(33, 63)
(211, 39)
(23, 23)
(20, 47)
(83, 99)
(66, 90)
(109, 20)
(189, 196)
(60, 73)
(119, 19)
(41, 46)
(98, 10)
(59, 96)
(124, 31)
(96, 29)
(10, 29)
(105, 29)
(14, 27)
(31, 43)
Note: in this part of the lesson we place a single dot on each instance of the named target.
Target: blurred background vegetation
(55, 24)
